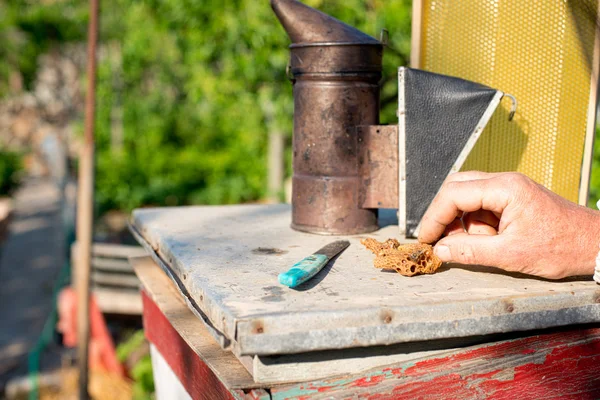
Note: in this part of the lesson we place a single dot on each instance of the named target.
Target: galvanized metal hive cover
(226, 260)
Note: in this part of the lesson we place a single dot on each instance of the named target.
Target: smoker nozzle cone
(304, 24)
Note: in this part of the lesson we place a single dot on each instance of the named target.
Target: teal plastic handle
(303, 270)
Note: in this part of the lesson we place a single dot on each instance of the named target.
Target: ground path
(30, 261)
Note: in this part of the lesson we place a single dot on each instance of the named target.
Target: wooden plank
(588, 151)
(416, 32)
(177, 333)
(288, 368)
(114, 301)
(107, 258)
(113, 265)
(115, 279)
(199, 381)
(85, 207)
(558, 365)
(114, 250)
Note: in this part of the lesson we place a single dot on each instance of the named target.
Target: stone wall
(42, 122)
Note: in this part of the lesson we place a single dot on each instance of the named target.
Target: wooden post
(590, 134)
(276, 154)
(85, 208)
(276, 165)
(415, 48)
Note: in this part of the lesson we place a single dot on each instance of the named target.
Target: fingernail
(443, 252)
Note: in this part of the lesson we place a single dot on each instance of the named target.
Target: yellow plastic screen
(539, 51)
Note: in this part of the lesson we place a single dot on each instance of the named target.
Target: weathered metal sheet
(378, 166)
(228, 258)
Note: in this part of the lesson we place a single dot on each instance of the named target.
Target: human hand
(512, 223)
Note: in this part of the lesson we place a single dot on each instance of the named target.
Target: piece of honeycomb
(407, 259)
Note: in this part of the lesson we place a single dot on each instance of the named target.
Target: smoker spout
(304, 24)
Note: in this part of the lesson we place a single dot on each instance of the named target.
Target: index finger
(461, 196)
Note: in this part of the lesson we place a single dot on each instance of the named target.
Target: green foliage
(29, 28)
(595, 178)
(143, 387)
(200, 85)
(10, 166)
(141, 373)
(133, 342)
(203, 83)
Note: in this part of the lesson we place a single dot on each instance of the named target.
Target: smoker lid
(306, 25)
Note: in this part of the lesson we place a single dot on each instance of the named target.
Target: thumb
(463, 248)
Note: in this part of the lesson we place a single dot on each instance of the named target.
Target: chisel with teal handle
(309, 266)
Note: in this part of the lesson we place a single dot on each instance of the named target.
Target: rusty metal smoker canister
(336, 72)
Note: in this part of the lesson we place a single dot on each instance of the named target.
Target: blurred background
(193, 107)
(188, 92)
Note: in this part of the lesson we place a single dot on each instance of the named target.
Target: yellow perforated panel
(539, 51)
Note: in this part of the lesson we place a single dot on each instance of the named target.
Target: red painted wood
(560, 365)
(195, 376)
(102, 353)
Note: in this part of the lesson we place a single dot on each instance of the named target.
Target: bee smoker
(335, 71)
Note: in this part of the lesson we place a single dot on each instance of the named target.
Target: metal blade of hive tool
(309, 266)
